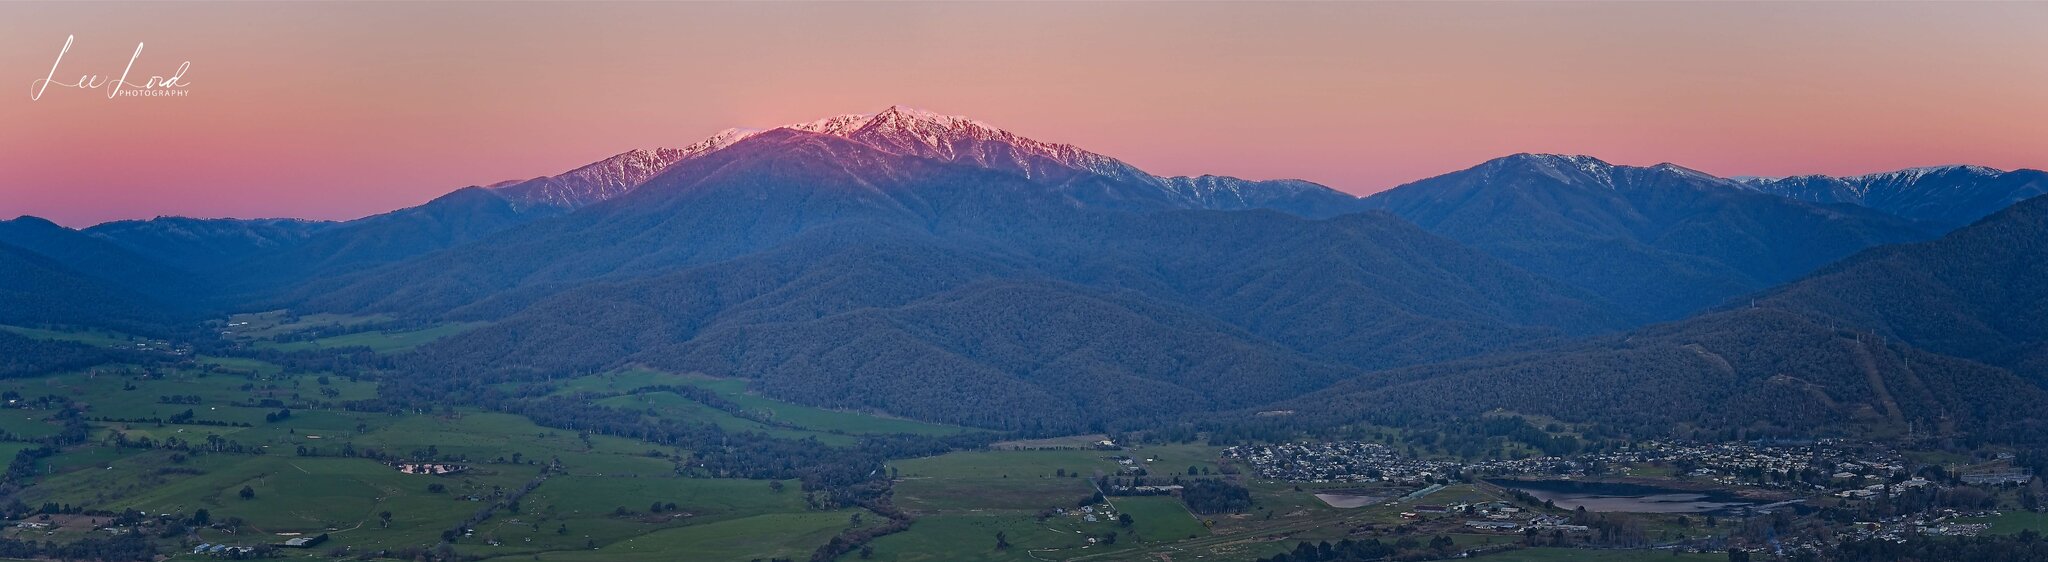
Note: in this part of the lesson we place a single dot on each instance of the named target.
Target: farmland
(268, 452)
(253, 445)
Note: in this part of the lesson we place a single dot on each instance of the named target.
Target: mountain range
(1933, 335)
(940, 268)
(1661, 242)
(1944, 196)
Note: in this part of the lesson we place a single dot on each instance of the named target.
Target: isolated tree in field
(248, 493)
(775, 485)
(201, 517)
(1002, 540)
(385, 516)
(853, 520)
(1124, 519)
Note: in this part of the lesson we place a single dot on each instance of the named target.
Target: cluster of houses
(2009, 476)
(1100, 512)
(1337, 462)
(1745, 463)
(1883, 488)
(221, 550)
(1497, 516)
(430, 468)
(1946, 522)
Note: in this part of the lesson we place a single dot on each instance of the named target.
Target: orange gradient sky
(339, 110)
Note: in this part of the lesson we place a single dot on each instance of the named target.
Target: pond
(1627, 498)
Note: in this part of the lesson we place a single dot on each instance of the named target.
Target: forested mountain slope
(1661, 241)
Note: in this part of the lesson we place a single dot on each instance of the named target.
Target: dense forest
(1765, 371)
(1662, 242)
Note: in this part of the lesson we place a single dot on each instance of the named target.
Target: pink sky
(339, 110)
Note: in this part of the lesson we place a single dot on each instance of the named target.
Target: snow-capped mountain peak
(611, 177)
(953, 138)
(1915, 174)
(1950, 196)
(925, 134)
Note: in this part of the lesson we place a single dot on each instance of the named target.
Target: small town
(1815, 465)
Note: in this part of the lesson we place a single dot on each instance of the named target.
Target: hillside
(450, 220)
(838, 273)
(200, 245)
(101, 260)
(1894, 338)
(1767, 371)
(1980, 292)
(36, 290)
(1662, 241)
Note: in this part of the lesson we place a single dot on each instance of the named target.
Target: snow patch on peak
(896, 116)
(952, 138)
(1566, 168)
(1915, 174)
(1674, 168)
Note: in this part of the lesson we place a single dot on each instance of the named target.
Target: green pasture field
(760, 537)
(987, 481)
(972, 537)
(1587, 555)
(1160, 518)
(572, 513)
(669, 405)
(98, 337)
(818, 419)
(264, 325)
(376, 340)
(2014, 522)
(815, 419)
(28, 424)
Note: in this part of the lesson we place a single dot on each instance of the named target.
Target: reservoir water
(1627, 498)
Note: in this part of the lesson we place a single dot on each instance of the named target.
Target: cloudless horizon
(342, 110)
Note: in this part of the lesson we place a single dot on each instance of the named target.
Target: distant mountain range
(37, 290)
(1660, 242)
(1945, 196)
(1883, 339)
(199, 245)
(940, 268)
